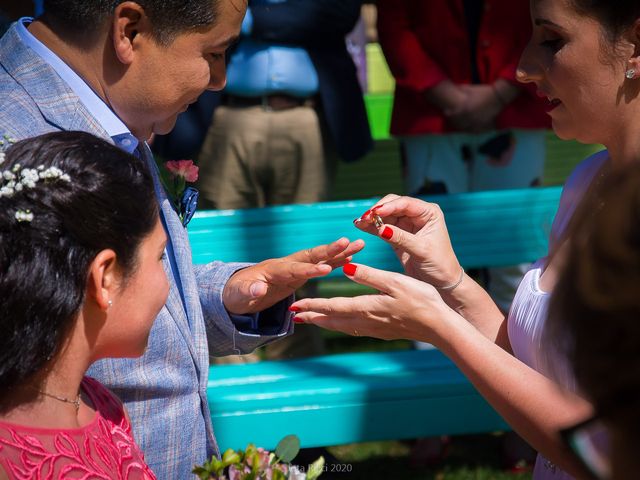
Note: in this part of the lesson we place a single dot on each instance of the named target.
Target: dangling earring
(109, 304)
(630, 74)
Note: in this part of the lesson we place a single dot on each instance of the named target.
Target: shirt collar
(116, 129)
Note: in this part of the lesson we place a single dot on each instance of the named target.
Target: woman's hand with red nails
(405, 308)
(418, 234)
(260, 286)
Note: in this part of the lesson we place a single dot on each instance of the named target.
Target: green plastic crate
(379, 78)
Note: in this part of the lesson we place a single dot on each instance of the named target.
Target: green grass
(470, 457)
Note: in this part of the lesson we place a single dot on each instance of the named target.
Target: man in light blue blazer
(125, 72)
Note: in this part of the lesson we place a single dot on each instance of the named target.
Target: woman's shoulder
(106, 403)
(582, 175)
(574, 189)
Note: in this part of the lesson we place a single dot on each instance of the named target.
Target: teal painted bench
(348, 398)
(345, 398)
(486, 228)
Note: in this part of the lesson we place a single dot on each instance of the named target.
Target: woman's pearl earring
(630, 74)
(109, 304)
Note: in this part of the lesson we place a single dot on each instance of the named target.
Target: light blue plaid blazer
(165, 390)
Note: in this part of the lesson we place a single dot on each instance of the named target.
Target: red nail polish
(349, 269)
(387, 233)
(297, 320)
(293, 308)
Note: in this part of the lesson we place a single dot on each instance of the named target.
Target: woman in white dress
(593, 320)
(584, 56)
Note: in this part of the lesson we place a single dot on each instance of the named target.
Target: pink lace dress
(103, 449)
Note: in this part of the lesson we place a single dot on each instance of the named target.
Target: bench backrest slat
(487, 228)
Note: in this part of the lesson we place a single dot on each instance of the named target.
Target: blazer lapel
(184, 308)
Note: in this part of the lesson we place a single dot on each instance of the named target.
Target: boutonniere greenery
(175, 175)
(258, 464)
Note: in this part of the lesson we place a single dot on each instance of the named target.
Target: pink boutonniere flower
(175, 175)
(184, 169)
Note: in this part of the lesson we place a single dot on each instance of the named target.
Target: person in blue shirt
(291, 106)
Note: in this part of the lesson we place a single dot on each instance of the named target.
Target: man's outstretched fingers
(320, 252)
(332, 249)
(326, 253)
(345, 256)
(302, 270)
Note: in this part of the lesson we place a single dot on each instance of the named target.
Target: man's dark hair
(168, 17)
(108, 202)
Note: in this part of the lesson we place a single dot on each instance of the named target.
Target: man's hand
(260, 286)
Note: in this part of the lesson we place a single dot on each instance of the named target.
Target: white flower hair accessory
(17, 179)
(24, 216)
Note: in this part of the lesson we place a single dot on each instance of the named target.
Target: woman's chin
(561, 130)
(566, 131)
(563, 136)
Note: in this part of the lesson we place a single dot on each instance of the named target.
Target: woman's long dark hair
(107, 202)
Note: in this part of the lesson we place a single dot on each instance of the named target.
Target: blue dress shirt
(258, 68)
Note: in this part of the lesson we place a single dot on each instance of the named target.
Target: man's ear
(129, 19)
(103, 279)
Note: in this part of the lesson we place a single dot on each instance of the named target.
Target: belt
(275, 102)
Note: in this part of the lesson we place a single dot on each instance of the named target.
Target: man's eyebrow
(226, 43)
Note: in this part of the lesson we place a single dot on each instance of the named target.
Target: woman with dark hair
(81, 278)
(593, 319)
(584, 57)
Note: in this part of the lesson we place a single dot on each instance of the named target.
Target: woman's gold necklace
(75, 402)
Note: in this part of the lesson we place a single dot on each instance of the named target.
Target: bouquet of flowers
(258, 464)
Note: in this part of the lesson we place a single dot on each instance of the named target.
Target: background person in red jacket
(463, 121)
